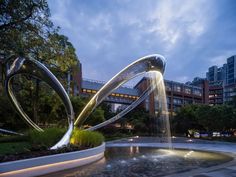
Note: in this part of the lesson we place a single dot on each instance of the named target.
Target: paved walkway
(224, 170)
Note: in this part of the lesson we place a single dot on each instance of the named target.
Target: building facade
(216, 93)
(177, 95)
(222, 82)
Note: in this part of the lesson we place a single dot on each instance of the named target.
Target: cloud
(219, 60)
(182, 79)
(108, 35)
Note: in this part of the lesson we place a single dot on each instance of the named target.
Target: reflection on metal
(4, 131)
(126, 110)
(146, 64)
(39, 71)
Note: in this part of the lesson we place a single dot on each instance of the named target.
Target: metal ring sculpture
(126, 110)
(39, 71)
(146, 64)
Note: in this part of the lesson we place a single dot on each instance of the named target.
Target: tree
(139, 119)
(107, 110)
(95, 118)
(26, 30)
(24, 25)
(185, 119)
(204, 117)
(9, 119)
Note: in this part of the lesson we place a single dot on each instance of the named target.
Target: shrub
(13, 138)
(48, 138)
(86, 139)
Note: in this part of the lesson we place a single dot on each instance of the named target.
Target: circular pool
(140, 161)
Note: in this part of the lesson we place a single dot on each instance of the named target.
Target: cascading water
(162, 114)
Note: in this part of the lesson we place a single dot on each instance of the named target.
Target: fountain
(151, 63)
(140, 66)
(160, 97)
(130, 158)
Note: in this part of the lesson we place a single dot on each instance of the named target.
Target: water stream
(162, 113)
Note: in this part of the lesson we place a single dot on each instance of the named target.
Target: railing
(103, 82)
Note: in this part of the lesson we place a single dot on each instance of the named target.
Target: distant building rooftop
(96, 85)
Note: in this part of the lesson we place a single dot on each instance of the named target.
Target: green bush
(86, 139)
(47, 138)
(13, 138)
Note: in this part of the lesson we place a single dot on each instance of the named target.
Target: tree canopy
(204, 117)
(27, 30)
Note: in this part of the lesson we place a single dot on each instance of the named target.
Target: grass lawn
(14, 147)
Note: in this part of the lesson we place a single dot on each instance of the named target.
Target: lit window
(177, 88)
(187, 90)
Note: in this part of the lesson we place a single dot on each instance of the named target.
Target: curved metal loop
(39, 71)
(142, 97)
(146, 64)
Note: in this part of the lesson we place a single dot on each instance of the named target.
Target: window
(89, 91)
(187, 90)
(177, 88)
(168, 86)
(177, 101)
(197, 92)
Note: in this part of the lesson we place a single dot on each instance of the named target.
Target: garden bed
(51, 163)
(37, 152)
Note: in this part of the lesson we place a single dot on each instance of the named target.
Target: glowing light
(108, 166)
(54, 165)
(122, 161)
(131, 149)
(140, 66)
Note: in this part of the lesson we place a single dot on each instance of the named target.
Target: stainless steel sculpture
(146, 64)
(126, 110)
(39, 71)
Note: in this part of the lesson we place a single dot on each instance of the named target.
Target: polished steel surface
(144, 95)
(39, 71)
(143, 65)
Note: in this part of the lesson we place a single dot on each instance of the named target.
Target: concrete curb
(52, 163)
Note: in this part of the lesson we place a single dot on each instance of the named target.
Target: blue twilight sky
(110, 34)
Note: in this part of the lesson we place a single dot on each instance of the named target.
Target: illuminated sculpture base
(53, 163)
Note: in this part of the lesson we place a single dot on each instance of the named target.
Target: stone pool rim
(51, 163)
